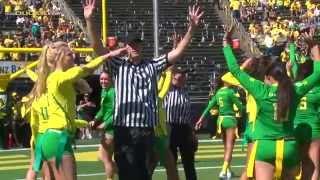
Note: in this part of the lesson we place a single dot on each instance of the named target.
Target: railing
(246, 43)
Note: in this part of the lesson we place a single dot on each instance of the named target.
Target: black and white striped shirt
(178, 106)
(136, 91)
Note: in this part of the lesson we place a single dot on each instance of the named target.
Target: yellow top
(39, 115)
(286, 3)
(8, 8)
(251, 106)
(295, 6)
(62, 95)
(309, 4)
(163, 88)
(235, 5)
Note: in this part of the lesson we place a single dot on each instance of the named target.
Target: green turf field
(209, 158)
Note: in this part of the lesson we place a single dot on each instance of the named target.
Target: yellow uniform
(235, 5)
(61, 107)
(286, 3)
(62, 95)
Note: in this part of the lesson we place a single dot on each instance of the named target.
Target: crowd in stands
(273, 22)
(36, 23)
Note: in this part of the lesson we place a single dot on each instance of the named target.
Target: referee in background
(182, 137)
(135, 83)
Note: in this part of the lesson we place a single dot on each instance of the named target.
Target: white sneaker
(226, 175)
(222, 175)
(229, 174)
(83, 137)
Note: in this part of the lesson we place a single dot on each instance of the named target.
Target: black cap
(180, 70)
(134, 37)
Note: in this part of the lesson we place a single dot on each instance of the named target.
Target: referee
(136, 95)
(178, 107)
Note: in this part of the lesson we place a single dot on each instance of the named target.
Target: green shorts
(305, 132)
(52, 144)
(109, 128)
(227, 122)
(266, 152)
(161, 146)
(248, 134)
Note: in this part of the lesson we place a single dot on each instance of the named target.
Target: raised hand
(315, 52)
(88, 8)
(176, 38)
(247, 63)
(227, 34)
(118, 52)
(195, 15)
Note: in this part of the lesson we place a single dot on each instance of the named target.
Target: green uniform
(61, 97)
(267, 127)
(107, 109)
(307, 122)
(251, 108)
(224, 99)
(295, 59)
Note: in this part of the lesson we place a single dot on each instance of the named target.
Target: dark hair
(258, 67)
(304, 70)
(285, 91)
(218, 82)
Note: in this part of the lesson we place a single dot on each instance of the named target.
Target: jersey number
(44, 113)
(220, 102)
(303, 103)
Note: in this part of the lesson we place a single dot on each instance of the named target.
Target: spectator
(15, 56)
(20, 21)
(35, 30)
(18, 5)
(235, 6)
(295, 8)
(269, 43)
(86, 110)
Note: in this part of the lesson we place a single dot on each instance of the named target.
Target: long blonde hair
(50, 55)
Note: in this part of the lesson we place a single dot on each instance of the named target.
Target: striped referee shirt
(178, 107)
(136, 91)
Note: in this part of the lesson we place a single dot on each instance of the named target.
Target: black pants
(182, 138)
(132, 151)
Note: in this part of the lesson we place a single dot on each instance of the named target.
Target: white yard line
(157, 170)
(97, 145)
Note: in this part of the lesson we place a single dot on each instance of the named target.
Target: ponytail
(285, 89)
(284, 97)
(50, 54)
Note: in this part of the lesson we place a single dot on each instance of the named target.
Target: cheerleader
(307, 122)
(257, 71)
(56, 78)
(105, 115)
(274, 152)
(224, 99)
(161, 145)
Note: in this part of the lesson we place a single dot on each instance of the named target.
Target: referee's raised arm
(89, 7)
(195, 15)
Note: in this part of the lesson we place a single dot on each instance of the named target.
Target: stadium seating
(204, 55)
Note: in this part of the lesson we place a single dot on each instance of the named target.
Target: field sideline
(209, 158)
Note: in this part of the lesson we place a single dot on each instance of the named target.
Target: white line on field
(97, 145)
(157, 170)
